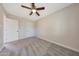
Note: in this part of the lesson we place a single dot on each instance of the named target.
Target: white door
(10, 30)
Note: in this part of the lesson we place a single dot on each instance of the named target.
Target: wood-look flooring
(34, 46)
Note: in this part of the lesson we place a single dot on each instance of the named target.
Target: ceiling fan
(33, 9)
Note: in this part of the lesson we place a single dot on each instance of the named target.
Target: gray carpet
(34, 46)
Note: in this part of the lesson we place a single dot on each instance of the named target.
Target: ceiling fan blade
(37, 13)
(33, 5)
(41, 8)
(31, 13)
(25, 7)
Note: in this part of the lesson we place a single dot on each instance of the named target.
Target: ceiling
(16, 9)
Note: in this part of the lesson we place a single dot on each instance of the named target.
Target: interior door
(10, 30)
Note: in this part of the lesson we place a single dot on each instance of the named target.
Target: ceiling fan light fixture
(33, 10)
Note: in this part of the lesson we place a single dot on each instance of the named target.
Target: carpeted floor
(34, 46)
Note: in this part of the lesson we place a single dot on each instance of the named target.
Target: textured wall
(61, 27)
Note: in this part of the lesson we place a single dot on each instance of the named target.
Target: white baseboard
(73, 49)
(26, 37)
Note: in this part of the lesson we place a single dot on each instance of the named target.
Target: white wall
(26, 26)
(26, 29)
(62, 27)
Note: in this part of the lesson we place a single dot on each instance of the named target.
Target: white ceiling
(16, 9)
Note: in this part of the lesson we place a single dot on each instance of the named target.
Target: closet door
(10, 30)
